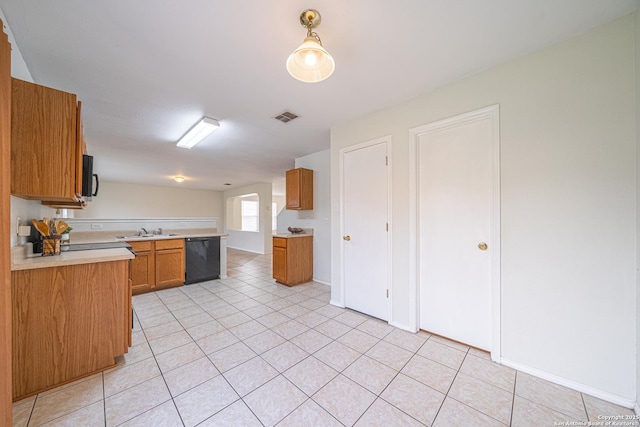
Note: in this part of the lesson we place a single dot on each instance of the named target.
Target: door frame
(382, 140)
(493, 114)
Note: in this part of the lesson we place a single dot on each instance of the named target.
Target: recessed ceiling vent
(286, 116)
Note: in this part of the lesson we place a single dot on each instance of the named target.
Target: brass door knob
(482, 246)
(347, 238)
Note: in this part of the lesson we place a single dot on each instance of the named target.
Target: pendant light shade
(310, 62)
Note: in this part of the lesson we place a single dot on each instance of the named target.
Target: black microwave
(87, 178)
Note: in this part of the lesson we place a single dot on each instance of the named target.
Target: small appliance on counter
(36, 238)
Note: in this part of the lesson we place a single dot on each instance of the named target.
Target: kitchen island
(71, 316)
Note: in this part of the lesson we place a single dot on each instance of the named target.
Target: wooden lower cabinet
(280, 264)
(169, 263)
(143, 267)
(68, 322)
(158, 264)
(293, 259)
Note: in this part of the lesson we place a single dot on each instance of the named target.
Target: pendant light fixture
(310, 62)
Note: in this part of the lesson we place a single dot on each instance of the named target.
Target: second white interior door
(365, 217)
(455, 219)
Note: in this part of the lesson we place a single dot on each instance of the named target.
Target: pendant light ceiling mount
(310, 62)
(310, 18)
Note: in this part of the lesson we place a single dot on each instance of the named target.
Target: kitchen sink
(137, 236)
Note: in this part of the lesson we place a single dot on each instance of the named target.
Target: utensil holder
(50, 245)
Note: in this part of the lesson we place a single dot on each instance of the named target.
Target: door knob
(347, 238)
(482, 246)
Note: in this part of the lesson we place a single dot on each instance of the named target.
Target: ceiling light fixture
(179, 179)
(310, 62)
(197, 133)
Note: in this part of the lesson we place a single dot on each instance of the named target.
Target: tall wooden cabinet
(299, 188)
(293, 259)
(5, 231)
(47, 144)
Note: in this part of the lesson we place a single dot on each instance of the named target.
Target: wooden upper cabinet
(46, 143)
(300, 189)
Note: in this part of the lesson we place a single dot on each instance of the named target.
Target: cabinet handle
(482, 246)
(347, 238)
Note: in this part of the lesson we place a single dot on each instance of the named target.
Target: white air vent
(286, 116)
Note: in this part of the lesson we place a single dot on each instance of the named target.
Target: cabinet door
(67, 323)
(169, 267)
(280, 264)
(299, 188)
(293, 189)
(142, 272)
(43, 142)
(81, 149)
(5, 214)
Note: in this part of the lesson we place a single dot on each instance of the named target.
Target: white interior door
(455, 191)
(365, 216)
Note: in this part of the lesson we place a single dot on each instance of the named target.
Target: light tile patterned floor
(245, 351)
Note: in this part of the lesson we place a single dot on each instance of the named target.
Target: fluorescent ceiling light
(199, 132)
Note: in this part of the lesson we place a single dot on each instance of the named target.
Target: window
(250, 218)
(243, 213)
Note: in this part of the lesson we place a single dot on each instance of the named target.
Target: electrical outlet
(96, 226)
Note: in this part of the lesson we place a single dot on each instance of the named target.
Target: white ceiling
(146, 71)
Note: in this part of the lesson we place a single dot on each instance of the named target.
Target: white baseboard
(321, 281)
(636, 409)
(401, 326)
(600, 394)
(337, 303)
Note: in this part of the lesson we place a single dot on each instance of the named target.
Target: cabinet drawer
(279, 242)
(141, 246)
(169, 244)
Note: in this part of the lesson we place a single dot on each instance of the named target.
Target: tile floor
(245, 351)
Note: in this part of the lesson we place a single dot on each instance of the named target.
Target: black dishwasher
(202, 259)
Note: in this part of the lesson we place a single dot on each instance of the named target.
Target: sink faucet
(159, 231)
(142, 229)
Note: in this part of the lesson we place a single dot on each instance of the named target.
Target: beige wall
(123, 200)
(568, 200)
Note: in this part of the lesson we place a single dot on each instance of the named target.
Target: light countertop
(292, 236)
(20, 261)
(307, 232)
(110, 236)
